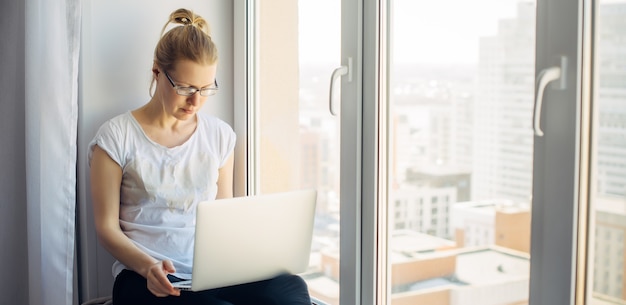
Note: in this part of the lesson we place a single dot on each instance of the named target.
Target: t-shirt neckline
(171, 149)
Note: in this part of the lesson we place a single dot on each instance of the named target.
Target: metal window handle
(343, 70)
(543, 79)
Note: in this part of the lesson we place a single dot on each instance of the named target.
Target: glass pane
(298, 48)
(461, 147)
(608, 200)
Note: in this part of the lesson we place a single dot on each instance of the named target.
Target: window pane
(461, 146)
(608, 200)
(298, 48)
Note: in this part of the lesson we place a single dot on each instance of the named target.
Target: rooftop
(407, 245)
(490, 206)
(492, 265)
(428, 284)
(479, 267)
(610, 204)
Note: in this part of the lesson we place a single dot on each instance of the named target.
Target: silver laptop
(246, 239)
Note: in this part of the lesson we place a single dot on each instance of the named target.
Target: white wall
(116, 60)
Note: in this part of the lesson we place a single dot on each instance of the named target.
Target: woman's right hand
(158, 283)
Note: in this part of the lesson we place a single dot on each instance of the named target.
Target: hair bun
(186, 17)
(183, 20)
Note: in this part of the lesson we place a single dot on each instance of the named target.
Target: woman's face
(186, 73)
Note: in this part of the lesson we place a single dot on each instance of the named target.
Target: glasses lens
(208, 91)
(186, 91)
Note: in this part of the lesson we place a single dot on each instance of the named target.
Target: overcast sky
(432, 31)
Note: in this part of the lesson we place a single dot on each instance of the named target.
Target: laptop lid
(246, 239)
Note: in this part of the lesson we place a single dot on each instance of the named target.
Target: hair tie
(184, 20)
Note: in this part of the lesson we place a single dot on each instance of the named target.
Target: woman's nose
(194, 99)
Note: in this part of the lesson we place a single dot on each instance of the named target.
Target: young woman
(152, 165)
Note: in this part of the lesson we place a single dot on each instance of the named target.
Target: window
(294, 138)
(608, 165)
(463, 91)
(450, 121)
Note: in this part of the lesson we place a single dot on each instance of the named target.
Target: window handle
(343, 70)
(543, 79)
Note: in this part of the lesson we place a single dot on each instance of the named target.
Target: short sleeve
(229, 138)
(108, 138)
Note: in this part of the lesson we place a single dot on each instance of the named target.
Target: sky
(444, 31)
(424, 31)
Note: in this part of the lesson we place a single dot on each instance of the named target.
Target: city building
(502, 223)
(429, 270)
(609, 263)
(503, 135)
(611, 141)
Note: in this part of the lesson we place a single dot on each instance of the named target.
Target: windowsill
(315, 301)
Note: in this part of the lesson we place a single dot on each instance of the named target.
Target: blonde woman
(149, 167)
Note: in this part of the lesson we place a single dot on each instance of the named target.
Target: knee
(289, 289)
(292, 281)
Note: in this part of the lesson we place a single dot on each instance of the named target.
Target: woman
(152, 165)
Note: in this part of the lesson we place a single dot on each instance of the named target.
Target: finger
(168, 266)
(160, 290)
(158, 283)
(154, 289)
(163, 282)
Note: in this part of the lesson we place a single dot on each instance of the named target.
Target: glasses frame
(189, 91)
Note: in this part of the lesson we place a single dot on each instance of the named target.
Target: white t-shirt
(162, 186)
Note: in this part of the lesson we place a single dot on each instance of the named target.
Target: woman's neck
(163, 128)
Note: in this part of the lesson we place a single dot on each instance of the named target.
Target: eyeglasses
(189, 91)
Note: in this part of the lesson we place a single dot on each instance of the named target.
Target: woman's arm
(106, 180)
(225, 179)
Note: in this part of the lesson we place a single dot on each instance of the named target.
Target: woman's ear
(155, 70)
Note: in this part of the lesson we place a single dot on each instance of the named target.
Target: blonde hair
(190, 40)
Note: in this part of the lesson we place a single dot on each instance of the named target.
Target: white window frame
(560, 187)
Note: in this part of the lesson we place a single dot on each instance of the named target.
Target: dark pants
(131, 288)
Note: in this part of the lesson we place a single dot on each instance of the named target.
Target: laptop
(247, 239)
